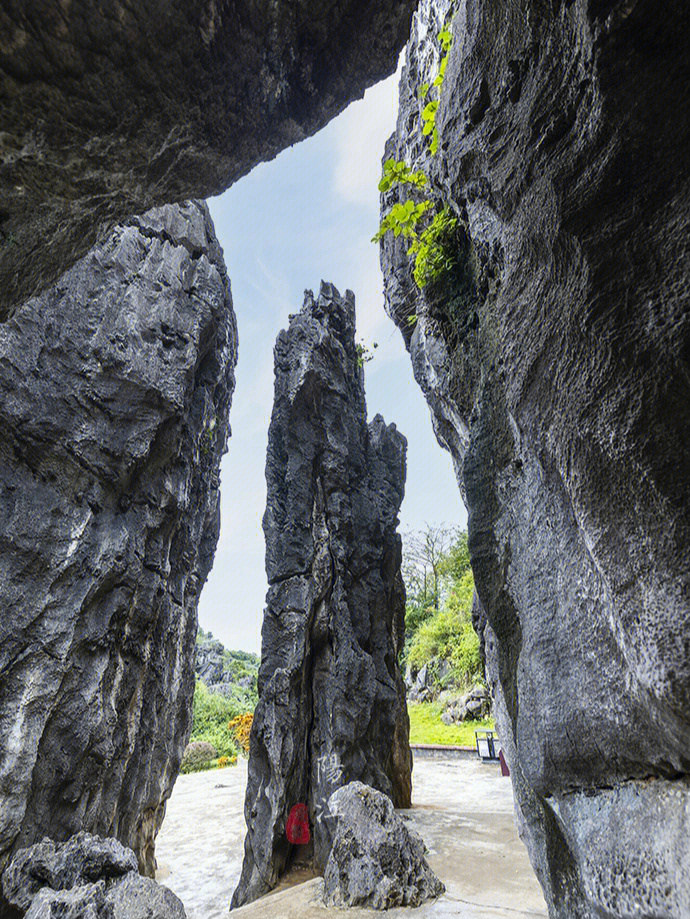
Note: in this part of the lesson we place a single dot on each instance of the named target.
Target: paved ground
(462, 808)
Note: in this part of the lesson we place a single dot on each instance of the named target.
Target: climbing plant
(430, 242)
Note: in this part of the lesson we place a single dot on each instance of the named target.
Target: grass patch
(426, 726)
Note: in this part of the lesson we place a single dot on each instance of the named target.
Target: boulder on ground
(83, 859)
(375, 861)
(86, 877)
(136, 897)
(473, 706)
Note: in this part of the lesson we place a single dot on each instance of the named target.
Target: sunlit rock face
(331, 697)
(109, 108)
(115, 388)
(554, 357)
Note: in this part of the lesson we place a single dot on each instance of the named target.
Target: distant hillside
(233, 674)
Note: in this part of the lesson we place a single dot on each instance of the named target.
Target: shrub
(449, 635)
(211, 712)
(241, 727)
(435, 248)
(196, 754)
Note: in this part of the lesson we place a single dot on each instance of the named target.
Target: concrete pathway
(463, 810)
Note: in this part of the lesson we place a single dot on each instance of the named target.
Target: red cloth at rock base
(297, 826)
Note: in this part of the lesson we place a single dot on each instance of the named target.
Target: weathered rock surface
(470, 706)
(84, 878)
(554, 357)
(209, 662)
(114, 395)
(108, 109)
(331, 698)
(375, 860)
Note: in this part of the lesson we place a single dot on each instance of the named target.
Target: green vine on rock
(431, 245)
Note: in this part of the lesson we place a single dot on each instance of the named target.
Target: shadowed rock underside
(109, 108)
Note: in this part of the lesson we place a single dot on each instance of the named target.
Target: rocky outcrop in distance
(230, 673)
(553, 352)
(331, 697)
(115, 387)
(84, 878)
(376, 861)
(109, 109)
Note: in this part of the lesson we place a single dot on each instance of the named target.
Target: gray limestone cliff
(109, 108)
(553, 352)
(115, 387)
(331, 697)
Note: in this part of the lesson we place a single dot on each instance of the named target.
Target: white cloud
(360, 136)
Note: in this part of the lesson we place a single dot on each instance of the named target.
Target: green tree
(440, 586)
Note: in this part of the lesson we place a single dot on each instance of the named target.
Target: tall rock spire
(331, 698)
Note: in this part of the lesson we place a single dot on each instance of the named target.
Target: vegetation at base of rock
(438, 615)
(426, 726)
(197, 755)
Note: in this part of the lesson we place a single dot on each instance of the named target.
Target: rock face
(331, 698)
(109, 109)
(471, 706)
(115, 388)
(84, 878)
(375, 861)
(209, 662)
(554, 357)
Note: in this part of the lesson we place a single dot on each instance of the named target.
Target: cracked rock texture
(109, 108)
(84, 878)
(331, 697)
(554, 357)
(115, 388)
(375, 860)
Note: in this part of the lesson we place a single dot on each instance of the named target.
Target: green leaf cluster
(364, 353)
(399, 173)
(433, 248)
(402, 219)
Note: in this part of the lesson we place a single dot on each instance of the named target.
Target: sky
(309, 215)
